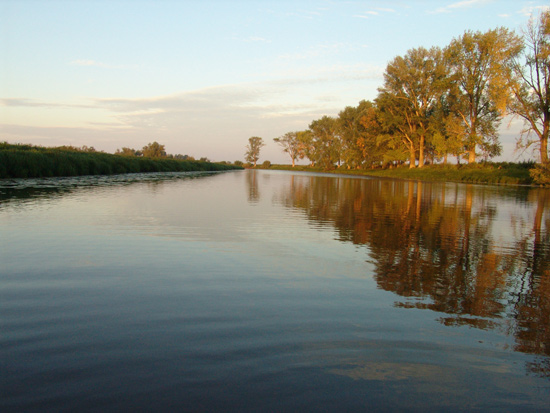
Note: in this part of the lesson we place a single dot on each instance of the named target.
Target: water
(277, 291)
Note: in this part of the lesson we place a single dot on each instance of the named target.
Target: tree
(252, 154)
(413, 85)
(479, 64)
(305, 140)
(127, 152)
(154, 150)
(291, 145)
(531, 85)
(326, 141)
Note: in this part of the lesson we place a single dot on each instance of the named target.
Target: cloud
(94, 63)
(33, 103)
(255, 39)
(460, 5)
(214, 122)
(366, 14)
(530, 10)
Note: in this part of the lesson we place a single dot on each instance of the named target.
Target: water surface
(279, 291)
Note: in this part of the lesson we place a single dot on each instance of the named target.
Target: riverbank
(485, 172)
(29, 161)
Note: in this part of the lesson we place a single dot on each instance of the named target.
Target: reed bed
(28, 161)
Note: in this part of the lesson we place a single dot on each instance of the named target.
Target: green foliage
(483, 172)
(154, 150)
(27, 161)
(252, 154)
(541, 175)
(266, 165)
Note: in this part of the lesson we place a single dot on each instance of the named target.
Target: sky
(202, 77)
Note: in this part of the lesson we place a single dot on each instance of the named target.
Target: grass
(484, 172)
(29, 161)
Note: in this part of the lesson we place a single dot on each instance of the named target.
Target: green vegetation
(483, 172)
(252, 154)
(29, 161)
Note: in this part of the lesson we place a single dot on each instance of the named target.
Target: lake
(272, 291)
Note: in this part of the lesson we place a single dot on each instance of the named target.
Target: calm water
(272, 291)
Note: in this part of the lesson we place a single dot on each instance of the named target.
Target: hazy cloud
(94, 63)
(530, 10)
(460, 5)
(366, 14)
(33, 103)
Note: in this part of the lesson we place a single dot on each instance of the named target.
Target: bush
(541, 175)
(266, 164)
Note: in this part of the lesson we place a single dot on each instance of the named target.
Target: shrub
(541, 175)
(266, 164)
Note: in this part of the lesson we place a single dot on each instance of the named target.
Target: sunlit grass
(484, 172)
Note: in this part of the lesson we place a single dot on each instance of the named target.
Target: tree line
(440, 102)
(155, 150)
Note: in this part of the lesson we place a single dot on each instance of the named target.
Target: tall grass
(27, 161)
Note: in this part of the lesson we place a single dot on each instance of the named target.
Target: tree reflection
(445, 248)
(252, 183)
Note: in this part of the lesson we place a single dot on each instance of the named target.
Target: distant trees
(252, 154)
(127, 152)
(154, 150)
(441, 102)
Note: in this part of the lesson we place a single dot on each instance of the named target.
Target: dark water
(272, 291)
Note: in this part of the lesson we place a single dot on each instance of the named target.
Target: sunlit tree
(413, 86)
(154, 150)
(531, 85)
(291, 145)
(252, 154)
(479, 72)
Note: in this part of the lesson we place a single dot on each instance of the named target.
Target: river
(272, 291)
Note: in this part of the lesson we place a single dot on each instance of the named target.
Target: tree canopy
(441, 102)
(252, 154)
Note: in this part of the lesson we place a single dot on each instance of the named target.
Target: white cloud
(460, 5)
(366, 14)
(94, 63)
(531, 10)
(257, 39)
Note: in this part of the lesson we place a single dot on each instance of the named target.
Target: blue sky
(202, 77)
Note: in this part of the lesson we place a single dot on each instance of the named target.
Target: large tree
(154, 150)
(479, 64)
(413, 86)
(326, 141)
(252, 154)
(531, 85)
(291, 145)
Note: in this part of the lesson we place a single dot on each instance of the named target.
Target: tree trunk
(472, 154)
(544, 150)
(421, 152)
(412, 157)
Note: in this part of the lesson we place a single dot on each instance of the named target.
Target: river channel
(272, 291)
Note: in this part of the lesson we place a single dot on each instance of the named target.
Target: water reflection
(20, 191)
(478, 254)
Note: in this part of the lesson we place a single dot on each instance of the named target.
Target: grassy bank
(28, 161)
(489, 173)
